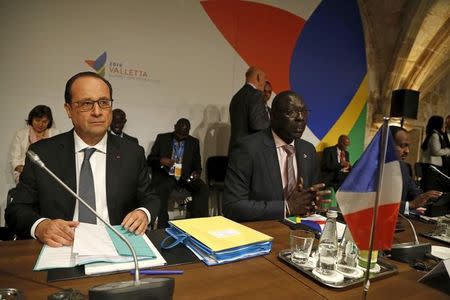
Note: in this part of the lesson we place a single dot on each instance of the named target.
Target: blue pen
(159, 272)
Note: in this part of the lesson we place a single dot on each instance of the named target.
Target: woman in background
(434, 152)
(39, 126)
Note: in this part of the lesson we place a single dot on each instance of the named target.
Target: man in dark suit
(111, 172)
(171, 152)
(412, 196)
(119, 119)
(273, 173)
(335, 163)
(247, 108)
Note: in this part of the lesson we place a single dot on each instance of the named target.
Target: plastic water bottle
(328, 245)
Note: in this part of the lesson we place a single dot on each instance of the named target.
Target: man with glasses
(273, 173)
(108, 172)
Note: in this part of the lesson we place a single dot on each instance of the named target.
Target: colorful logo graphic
(321, 57)
(99, 64)
(117, 69)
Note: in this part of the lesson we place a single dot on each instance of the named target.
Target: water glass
(347, 257)
(301, 242)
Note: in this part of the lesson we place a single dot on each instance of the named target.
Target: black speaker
(404, 103)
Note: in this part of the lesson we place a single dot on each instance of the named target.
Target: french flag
(356, 196)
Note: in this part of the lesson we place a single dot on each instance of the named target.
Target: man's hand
(303, 202)
(422, 199)
(165, 161)
(56, 233)
(136, 221)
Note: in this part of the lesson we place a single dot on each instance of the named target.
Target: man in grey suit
(248, 112)
(111, 171)
(262, 167)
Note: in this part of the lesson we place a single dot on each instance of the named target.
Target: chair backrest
(216, 168)
(418, 171)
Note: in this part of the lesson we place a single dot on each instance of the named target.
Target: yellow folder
(219, 233)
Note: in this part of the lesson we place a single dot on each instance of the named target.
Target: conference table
(264, 277)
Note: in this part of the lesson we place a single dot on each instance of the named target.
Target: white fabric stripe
(391, 193)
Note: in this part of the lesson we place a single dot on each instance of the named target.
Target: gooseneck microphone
(411, 251)
(137, 289)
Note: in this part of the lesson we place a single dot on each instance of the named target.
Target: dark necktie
(86, 189)
(291, 182)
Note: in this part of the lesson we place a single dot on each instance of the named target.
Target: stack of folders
(101, 251)
(218, 240)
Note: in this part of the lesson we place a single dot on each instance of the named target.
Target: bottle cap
(332, 214)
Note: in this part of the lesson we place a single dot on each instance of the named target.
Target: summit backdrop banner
(173, 59)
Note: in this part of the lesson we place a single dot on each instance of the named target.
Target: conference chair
(5, 233)
(216, 167)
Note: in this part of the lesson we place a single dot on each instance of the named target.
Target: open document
(100, 250)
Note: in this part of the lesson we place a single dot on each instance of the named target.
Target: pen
(159, 272)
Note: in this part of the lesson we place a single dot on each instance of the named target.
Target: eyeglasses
(303, 113)
(88, 105)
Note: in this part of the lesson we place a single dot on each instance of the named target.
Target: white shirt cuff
(406, 212)
(147, 213)
(33, 228)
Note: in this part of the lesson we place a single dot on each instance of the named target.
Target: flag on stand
(356, 196)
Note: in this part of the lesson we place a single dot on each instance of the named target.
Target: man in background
(108, 172)
(119, 119)
(176, 163)
(335, 164)
(412, 196)
(267, 95)
(247, 109)
(273, 173)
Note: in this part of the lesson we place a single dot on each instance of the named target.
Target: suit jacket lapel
(273, 167)
(113, 167)
(68, 173)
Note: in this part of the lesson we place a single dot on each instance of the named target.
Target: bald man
(119, 119)
(335, 163)
(248, 112)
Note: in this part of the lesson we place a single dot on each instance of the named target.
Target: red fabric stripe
(360, 223)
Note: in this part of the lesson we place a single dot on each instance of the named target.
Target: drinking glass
(301, 242)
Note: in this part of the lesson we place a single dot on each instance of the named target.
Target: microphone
(436, 170)
(412, 251)
(137, 289)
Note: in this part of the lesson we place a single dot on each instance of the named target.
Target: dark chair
(216, 168)
(5, 233)
(418, 174)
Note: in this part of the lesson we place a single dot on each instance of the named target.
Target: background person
(39, 126)
(119, 119)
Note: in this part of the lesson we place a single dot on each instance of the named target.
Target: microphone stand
(137, 289)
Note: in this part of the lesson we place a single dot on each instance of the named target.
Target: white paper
(51, 258)
(92, 244)
(97, 268)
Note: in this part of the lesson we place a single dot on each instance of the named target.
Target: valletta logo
(117, 69)
(99, 64)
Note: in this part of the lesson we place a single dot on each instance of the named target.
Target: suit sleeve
(196, 160)
(23, 211)
(328, 163)
(257, 114)
(146, 196)
(237, 204)
(153, 159)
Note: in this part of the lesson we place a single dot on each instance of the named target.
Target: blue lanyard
(178, 151)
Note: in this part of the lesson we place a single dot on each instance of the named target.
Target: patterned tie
(291, 182)
(86, 189)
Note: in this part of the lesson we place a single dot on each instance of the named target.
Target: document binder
(217, 240)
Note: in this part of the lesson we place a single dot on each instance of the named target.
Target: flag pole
(384, 139)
